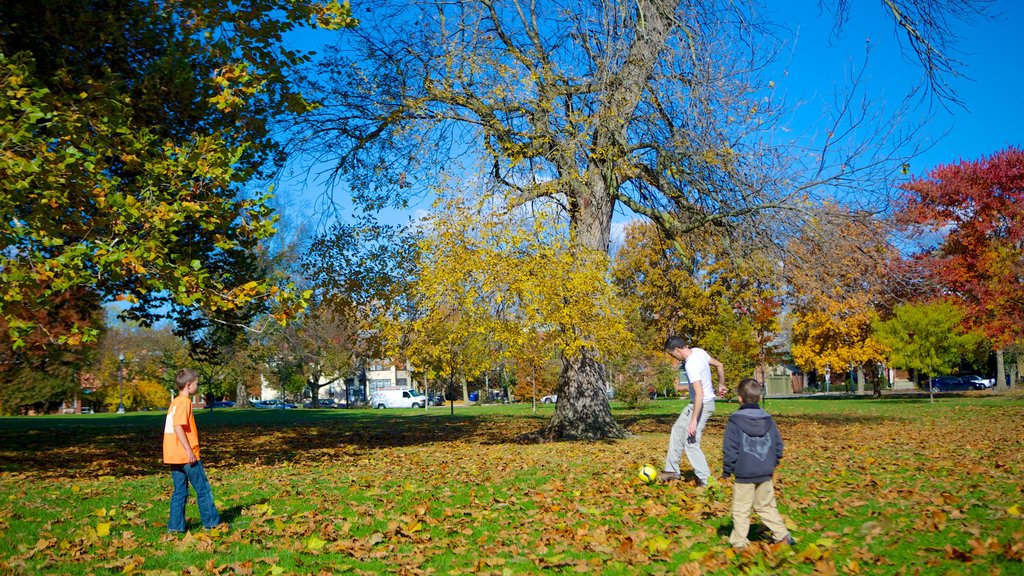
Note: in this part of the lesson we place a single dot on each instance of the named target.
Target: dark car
(273, 404)
(322, 403)
(950, 384)
(978, 382)
(224, 404)
(435, 399)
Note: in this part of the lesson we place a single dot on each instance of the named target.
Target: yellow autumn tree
(725, 302)
(509, 275)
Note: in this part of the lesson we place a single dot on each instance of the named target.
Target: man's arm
(179, 431)
(721, 375)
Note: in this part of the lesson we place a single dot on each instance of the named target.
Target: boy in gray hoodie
(751, 449)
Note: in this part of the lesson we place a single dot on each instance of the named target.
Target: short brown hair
(185, 377)
(749, 391)
(673, 342)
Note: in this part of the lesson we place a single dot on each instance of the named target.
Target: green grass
(868, 486)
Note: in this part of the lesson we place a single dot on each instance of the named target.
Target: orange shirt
(180, 412)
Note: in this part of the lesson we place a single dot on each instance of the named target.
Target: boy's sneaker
(787, 540)
(668, 476)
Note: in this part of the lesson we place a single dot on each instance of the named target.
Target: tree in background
(926, 337)
(509, 275)
(726, 302)
(655, 106)
(319, 346)
(362, 275)
(971, 217)
(151, 358)
(37, 372)
(839, 269)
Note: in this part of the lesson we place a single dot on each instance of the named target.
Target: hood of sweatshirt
(752, 420)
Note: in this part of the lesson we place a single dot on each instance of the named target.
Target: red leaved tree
(977, 209)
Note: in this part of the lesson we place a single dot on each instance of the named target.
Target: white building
(357, 387)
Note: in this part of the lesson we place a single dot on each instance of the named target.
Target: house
(356, 388)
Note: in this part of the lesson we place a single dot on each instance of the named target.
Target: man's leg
(676, 440)
(693, 452)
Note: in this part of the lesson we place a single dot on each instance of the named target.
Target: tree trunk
(1000, 370)
(582, 411)
(465, 390)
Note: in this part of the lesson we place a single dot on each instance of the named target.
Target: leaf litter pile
(867, 487)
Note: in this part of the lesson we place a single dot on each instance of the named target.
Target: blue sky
(991, 87)
(816, 63)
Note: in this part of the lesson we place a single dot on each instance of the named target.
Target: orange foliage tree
(838, 268)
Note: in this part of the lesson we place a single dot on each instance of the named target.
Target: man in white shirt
(689, 427)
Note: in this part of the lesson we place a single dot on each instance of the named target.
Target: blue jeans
(182, 475)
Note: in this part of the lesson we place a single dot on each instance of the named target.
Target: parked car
(550, 399)
(435, 399)
(274, 404)
(87, 410)
(949, 384)
(322, 403)
(978, 382)
(224, 404)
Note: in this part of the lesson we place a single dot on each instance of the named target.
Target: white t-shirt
(698, 367)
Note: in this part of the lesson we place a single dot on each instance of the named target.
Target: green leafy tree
(128, 132)
(926, 337)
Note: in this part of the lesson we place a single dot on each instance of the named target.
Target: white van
(397, 398)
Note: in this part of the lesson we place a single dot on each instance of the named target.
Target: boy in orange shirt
(181, 451)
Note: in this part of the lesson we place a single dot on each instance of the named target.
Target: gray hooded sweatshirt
(752, 446)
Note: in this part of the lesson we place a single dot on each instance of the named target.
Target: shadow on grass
(643, 423)
(758, 532)
(131, 445)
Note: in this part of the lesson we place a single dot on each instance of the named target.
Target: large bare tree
(660, 107)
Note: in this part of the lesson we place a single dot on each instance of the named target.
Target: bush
(634, 394)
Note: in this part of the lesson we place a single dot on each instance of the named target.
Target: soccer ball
(648, 474)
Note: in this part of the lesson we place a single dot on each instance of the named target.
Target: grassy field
(868, 487)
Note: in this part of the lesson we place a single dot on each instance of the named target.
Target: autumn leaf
(314, 543)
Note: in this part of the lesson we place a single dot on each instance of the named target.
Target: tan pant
(759, 498)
